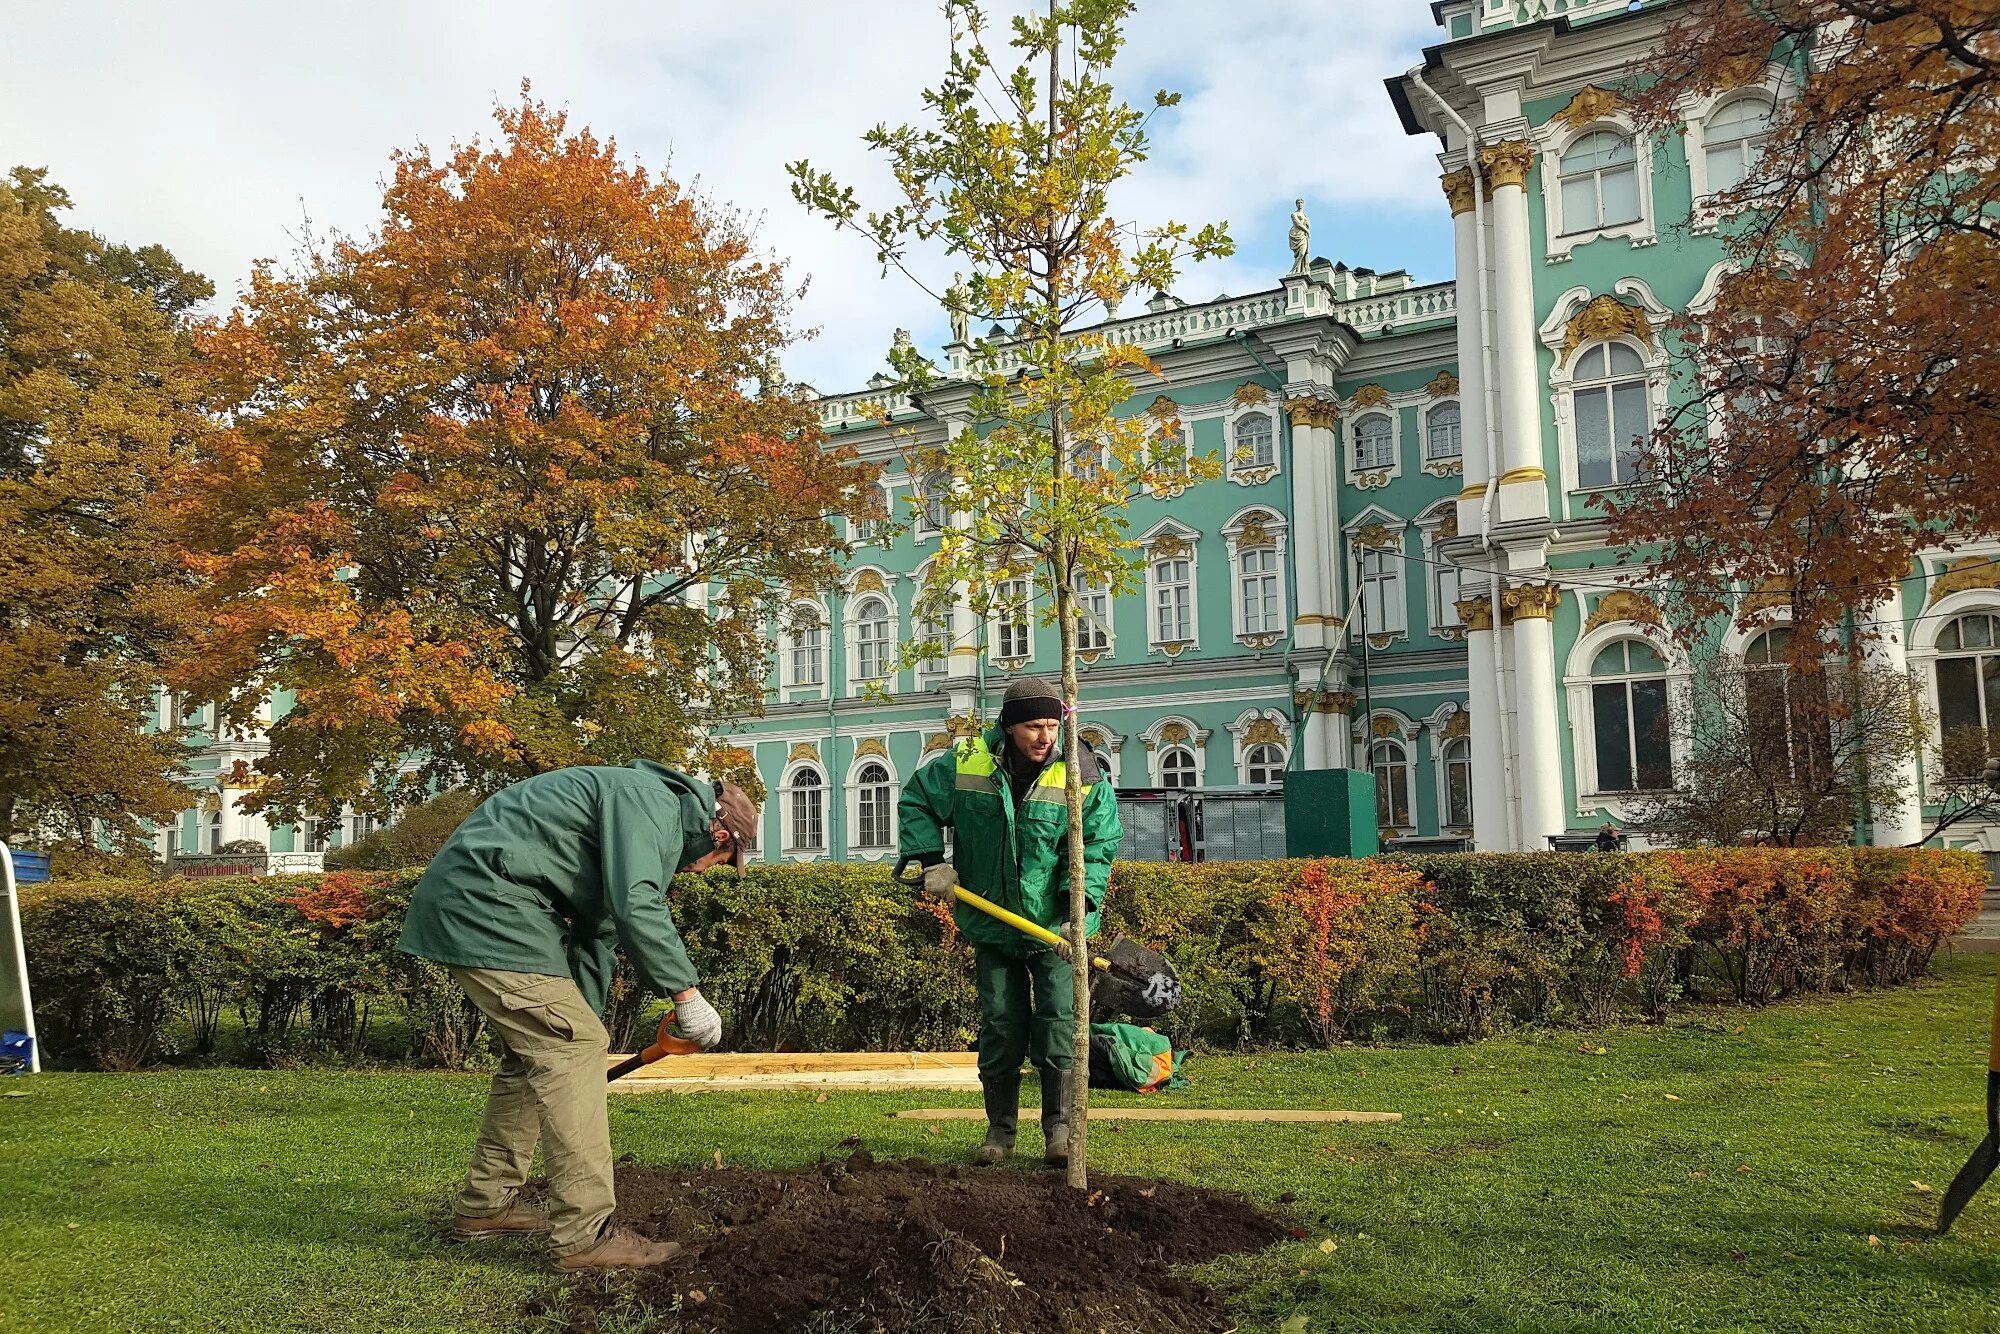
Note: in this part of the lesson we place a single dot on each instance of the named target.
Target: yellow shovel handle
(1018, 922)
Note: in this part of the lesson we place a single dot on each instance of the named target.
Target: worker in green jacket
(1002, 794)
(528, 904)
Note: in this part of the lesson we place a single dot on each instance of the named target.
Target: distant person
(528, 904)
(1609, 839)
(1003, 795)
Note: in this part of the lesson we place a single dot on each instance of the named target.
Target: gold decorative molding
(1472, 491)
(1384, 728)
(1372, 481)
(1311, 410)
(1445, 467)
(1259, 642)
(1450, 633)
(1605, 317)
(872, 746)
(1263, 732)
(1458, 190)
(1622, 604)
(1475, 613)
(1443, 385)
(803, 750)
(1456, 726)
(1964, 573)
(1380, 642)
(1375, 535)
(1250, 394)
(1088, 657)
(1163, 409)
(1593, 103)
(1740, 71)
(1175, 734)
(1371, 396)
(1527, 474)
(937, 741)
(1169, 545)
(1254, 533)
(1318, 618)
(1768, 596)
(1448, 526)
(1507, 164)
(870, 581)
(1252, 476)
(963, 725)
(1177, 647)
(1341, 701)
(1531, 602)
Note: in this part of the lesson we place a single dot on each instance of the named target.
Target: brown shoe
(619, 1247)
(516, 1220)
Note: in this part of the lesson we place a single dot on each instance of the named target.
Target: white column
(1901, 822)
(1312, 526)
(1539, 773)
(1458, 187)
(1523, 483)
(1489, 787)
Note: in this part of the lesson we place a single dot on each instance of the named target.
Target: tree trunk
(1079, 903)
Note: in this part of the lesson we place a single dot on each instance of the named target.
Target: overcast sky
(214, 128)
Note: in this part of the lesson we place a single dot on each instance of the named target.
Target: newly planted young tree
(93, 419)
(470, 478)
(1014, 177)
(1845, 410)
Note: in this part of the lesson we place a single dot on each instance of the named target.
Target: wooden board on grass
(820, 1069)
(1316, 1117)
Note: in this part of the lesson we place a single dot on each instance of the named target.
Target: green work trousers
(1027, 1009)
(549, 1090)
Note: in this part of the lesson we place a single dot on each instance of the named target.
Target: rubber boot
(1003, 1113)
(1055, 1117)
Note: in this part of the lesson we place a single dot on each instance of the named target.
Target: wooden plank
(1315, 1117)
(715, 1065)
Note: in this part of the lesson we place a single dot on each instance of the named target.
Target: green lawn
(1724, 1172)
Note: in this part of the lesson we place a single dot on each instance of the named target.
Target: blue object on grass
(17, 1053)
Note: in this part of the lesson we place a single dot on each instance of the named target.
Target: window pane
(1621, 195)
(1443, 439)
(1958, 694)
(1458, 783)
(1975, 631)
(1643, 657)
(1622, 360)
(1726, 166)
(1447, 594)
(1580, 204)
(1590, 362)
(1649, 734)
(1989, 672)
(1593, 438)
(1628, 402)
(1613, 726)
(1611, 660)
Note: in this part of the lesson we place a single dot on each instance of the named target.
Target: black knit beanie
(1028, 700)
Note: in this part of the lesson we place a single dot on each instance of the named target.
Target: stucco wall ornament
(1531, 602)
(803, 750)
(1445, 467)
(870, 581)
(1169, 546)
(872, 746)
(1175, 734)
(1770, 595)
(1377, 535)
(1250, 394)
(1593, 103)
(1342, 701)
(1605, 317)
(1622, 604)
(1443, 385)
(1968, 572)
(1254, 533)
(1163, 409)
(962, 725)
(1507, 163)
(1380, 642)
(1459, 724)
(1458, 190)
(1259, 642)
(1386, 727)
(1371, 396)
(1448, 526)
(1475, 613)
(1263, 732)
(1312, 410)
(1372, 481)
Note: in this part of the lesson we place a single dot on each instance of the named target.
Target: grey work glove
(698, 1021)
(1063, 948)
(939, 881)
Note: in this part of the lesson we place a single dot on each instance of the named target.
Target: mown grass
(1724, 1172)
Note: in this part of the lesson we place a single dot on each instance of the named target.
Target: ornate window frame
(1452, 467)
(1259, 727)
(1254, 528)
(1248, 399)
(1387, 724)
(1774, 86)
(1558, 136)
(867, 752)
(1436, 526)
(1942, 609)
(803, 759)
(1449, 725)
(790, 687)
(1107, 743)
(1370, 479)
(1175, 730)
(867, 584)
(924, 676)
(1577, 682)
(1376, 529)
(1171, 540)
(1630, 314)
(996, 616)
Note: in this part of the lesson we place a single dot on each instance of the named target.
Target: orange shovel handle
(665, 1043)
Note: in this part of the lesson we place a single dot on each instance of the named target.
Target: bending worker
(528, 904)
(1002, 796)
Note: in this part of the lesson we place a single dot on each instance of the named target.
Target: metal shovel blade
(1140, 982)
(1978, 1167)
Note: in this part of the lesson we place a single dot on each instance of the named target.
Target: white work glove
(698, 1021)
(1063, 948)
(939, 881)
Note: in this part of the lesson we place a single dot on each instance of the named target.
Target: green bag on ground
(1134, 1059)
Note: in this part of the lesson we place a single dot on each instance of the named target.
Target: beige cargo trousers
(549, 1090)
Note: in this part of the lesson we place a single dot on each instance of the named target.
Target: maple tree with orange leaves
(472, 478)
(1845, 387)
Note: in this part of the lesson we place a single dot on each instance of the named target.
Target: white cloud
(213, 128)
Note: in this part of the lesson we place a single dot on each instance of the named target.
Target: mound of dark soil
(898, 1248)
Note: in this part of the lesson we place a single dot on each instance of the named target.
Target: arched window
(1457, 758)
(935, 632)
(1380, 572)
(1392, 784)
(1600, 182)
(1968, 691)
(1264, 765)
(1441, 438)
(1177, 767)
(1012, 637)
(1785, 721)
(1735, 135)
(1258, 583)
(1255, 443)
(930, 499)
(808, 649)
(215, 832)
(1374, 442)
(875, 807)
(1628, 702)
(1608, 395)
(806, 827)
(1093, 613)
(874, 640)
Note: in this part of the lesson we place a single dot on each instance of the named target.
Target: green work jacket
(555, 873)
(1017, 858)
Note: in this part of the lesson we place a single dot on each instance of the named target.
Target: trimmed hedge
(1300, 953)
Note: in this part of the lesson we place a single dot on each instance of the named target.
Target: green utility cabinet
(1330, 813)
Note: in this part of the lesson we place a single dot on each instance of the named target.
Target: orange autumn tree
(473, 479)
(1845, 409)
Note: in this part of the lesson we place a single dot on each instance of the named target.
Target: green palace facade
(1400, 567)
